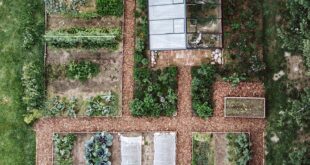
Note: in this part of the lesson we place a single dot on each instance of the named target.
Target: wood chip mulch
(184, 123)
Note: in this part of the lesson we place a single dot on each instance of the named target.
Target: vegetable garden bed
(84, 57)
(220, 148)
(75, 145)
(248, 107)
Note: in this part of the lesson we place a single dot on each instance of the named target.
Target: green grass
(203, 151)
(275, 91)
(17, 145)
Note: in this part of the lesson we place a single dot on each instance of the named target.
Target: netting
(164, 148)
(131, 150)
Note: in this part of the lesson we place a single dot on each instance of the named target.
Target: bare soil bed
(251, 107)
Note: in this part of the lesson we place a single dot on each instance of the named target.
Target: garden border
(252, 98)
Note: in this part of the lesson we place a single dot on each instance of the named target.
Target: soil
(184, 123)
(220, 149)
(61, 22)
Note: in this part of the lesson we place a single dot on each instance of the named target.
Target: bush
(33, 88)
(105, 104)
(97, 149)
(63, 146)
(110, 7)
(32, 115)
(203, 78)
(82, 71)
(85, 38)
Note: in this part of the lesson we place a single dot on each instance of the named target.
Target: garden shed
(164, 148)
(131, 150)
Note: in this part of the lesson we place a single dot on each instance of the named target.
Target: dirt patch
(61, 22)
(220, 149)
(297, 72)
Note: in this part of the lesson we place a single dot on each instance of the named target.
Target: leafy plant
(238, 148)
(235, 79)
(63, 6)
(97, 149)
(82, 71)
(71, 107)
(63, 146)
(110, 7)
(105, 104)
(203, 78)
(54, 106)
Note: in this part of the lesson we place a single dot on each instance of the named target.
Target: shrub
(97, 149)
(105, 104)
(110, 7)
(32, 115)
(203, 78)
(32, 83)
(82, 71)
(84, 37)
(63, 146)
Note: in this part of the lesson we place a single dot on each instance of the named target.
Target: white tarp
(131, 150)
(165, 148)
(167, 12)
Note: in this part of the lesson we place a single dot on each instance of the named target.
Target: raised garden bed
(81, 142)
(84, 56)
(247, 107)
(220, 148)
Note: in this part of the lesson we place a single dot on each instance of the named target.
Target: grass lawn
(17, 145)
(275, 91)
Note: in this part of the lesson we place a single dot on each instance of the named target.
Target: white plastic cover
(167, 24)
(131, 150)
(165, 148)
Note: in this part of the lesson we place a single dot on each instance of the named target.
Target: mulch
(185, 123)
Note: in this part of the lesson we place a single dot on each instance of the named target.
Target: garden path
(184, 123)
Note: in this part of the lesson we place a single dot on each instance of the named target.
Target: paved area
(184, 123)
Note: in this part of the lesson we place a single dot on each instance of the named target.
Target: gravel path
(184, 123)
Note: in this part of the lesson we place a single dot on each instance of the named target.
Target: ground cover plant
(84, 37)
(243, 36)
(82, 71)
(202, 81)
(20, 44)
(238, 148)
(155, 90)
(203, 151)
(285, 135)
(97, 149)
(63, 146)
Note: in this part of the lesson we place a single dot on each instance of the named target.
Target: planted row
(84, 37)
